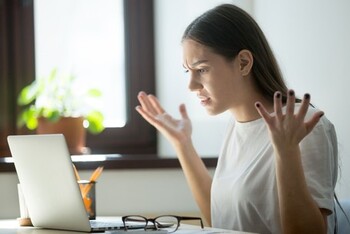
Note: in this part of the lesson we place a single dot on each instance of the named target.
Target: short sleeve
(319, 152)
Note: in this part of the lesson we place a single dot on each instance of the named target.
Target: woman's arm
(299, 212)
(178, 132)
(197, 177)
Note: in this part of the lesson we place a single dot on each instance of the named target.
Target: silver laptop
(45, 172)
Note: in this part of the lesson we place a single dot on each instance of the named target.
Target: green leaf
(56, 96)
(29, 118)
(51, 114)
(52, 75)
(95, 119)
(32, 123)
(28, 94)
(94, 93)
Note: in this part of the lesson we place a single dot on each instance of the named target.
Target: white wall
(121, 192)
(8, 195)
(311, 40)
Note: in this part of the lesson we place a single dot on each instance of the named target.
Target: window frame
(17, 69)
(137, 136)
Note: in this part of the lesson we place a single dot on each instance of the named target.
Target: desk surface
(11, 227)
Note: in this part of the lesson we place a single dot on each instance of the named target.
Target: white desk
(11, 227)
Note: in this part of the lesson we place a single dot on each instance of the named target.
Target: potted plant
(54, 104)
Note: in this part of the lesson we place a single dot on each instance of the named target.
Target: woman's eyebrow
(195, 63)
(199, 62)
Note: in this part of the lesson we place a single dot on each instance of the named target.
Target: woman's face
(217, 82)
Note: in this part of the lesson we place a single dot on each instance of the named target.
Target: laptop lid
(48, 182)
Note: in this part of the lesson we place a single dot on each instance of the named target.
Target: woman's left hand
(288, 129)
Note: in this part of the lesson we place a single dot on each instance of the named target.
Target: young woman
(277, 169)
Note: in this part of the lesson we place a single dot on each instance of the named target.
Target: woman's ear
(246, 61)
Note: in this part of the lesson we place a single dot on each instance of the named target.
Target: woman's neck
(247, 111)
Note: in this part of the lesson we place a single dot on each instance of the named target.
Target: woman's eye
(202, 70)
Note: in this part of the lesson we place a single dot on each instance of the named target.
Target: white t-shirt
(244, 190)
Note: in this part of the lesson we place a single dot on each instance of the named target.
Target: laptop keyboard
(107, 225)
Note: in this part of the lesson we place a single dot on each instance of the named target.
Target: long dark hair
(227, 30)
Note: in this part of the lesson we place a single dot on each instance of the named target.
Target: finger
(313, 121)
(183, 111)
(290, 103)
(148, 117)
(156, 104)
(263, 112)
(145, 103)
(278, 105)
(304, 106)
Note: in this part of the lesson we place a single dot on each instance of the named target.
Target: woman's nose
(194, 83)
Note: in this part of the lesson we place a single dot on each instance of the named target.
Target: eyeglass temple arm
(192, 218)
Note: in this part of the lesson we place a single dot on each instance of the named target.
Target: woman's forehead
(195, 53)
(191, 45)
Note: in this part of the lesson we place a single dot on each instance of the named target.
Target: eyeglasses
(164, 222)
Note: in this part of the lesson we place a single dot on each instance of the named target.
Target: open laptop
(52, 194)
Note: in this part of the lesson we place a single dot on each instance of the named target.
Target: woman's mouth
(204, 100)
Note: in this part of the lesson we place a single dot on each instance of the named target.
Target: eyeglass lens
(169, 223)
(165, 222)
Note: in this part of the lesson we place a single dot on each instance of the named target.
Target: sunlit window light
(87, 42)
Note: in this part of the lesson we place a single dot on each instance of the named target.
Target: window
(17, 68)
(88, 43)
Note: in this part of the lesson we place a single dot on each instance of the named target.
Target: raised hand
(288, 129)
(176, 131)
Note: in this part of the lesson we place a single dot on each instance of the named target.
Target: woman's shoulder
(312, 110)
(324, 131)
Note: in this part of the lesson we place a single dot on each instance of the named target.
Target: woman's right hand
(177, 131)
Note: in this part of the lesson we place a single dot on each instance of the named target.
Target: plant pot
(72, 129)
